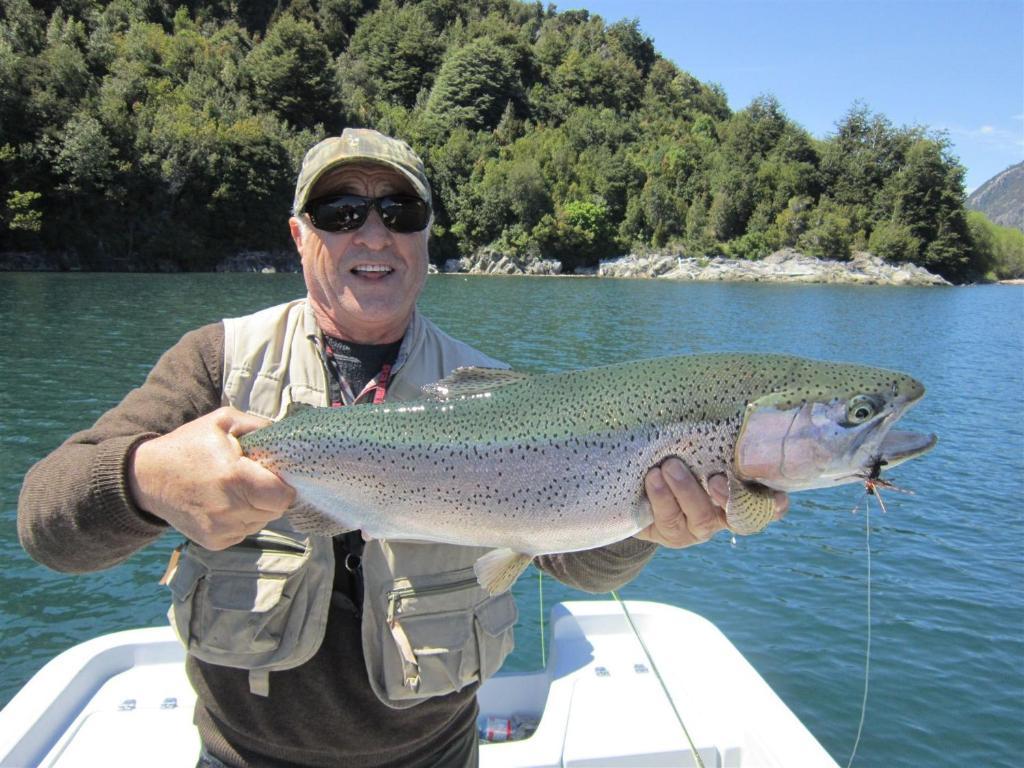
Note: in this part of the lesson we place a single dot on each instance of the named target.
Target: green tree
(510, 193)
(85, 158)
(859, 159)
(761, 162)
(578, 233)
(22, 26)
(338, 20)
(625, 36)
(59, 77)
(393, 55)
(474, 85)
(999, 248)
(598, 79)
(894, 242)
(290, 72)
(450, 167)
(926, 195)
(829, 232)
(22, 213)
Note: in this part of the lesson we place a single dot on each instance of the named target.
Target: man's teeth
(372, 268)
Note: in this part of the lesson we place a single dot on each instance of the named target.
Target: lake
(947, 587)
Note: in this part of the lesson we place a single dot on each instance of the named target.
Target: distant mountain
(1001, 198)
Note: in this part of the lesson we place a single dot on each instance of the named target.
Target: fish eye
(860, 409)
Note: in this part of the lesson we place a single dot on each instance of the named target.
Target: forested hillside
(138, 131)
(1001, 198)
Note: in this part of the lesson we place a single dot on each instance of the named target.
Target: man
(297, 666)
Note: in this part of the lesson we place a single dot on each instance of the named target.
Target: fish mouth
(898, 447)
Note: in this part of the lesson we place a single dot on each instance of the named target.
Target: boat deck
(123, 700)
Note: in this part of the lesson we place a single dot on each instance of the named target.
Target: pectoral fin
(750, 507)
(498, 570)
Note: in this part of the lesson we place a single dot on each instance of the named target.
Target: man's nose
(373, 234)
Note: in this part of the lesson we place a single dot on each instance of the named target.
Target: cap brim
(417, 185)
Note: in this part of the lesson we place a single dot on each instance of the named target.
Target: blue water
(947, 594)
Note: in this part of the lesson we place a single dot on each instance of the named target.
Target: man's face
(362, 284)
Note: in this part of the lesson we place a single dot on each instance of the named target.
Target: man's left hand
(684, 513)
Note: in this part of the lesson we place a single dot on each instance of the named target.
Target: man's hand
(684, 514)
(197, 480)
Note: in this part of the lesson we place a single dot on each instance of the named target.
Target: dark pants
(462, 753)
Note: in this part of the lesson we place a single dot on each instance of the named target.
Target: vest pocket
(239, 612)
(429, 655)
(443, 634)
(493, 623)
(246, 606)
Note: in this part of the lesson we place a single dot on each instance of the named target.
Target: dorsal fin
(294, 409)
(471, 382)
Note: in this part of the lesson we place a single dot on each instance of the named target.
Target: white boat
(123, 700)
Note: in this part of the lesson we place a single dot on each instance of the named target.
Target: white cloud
(991, 136)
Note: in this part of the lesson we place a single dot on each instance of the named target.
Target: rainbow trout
(536, 464)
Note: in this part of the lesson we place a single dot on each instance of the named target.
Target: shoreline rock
(34, 261)
(487, 261)
(265, 262)
(784, 266)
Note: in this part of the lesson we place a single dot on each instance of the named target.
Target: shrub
(894, 242)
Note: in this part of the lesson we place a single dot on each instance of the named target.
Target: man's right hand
(197, 480)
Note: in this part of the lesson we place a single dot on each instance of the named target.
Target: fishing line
(657, 674)
(867, 651)
(540, 602)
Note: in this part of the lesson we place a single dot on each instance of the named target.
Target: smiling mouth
(372, 269)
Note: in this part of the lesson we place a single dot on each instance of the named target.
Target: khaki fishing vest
(428, 629)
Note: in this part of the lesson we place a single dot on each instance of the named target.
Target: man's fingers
(718, 490)
(668, 523)
(703, 518)
(683, 514)
(263, 490)
(238, 423)
(781, 504)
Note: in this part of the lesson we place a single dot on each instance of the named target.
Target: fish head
(834, 427)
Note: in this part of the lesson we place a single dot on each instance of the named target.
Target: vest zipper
(395, 596)
(280, 544)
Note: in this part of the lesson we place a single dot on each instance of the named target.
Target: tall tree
(291, 76)
(474, 85)
(392, 57)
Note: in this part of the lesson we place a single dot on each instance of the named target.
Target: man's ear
(298, 231)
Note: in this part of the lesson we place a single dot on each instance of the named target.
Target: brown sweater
(75, 514)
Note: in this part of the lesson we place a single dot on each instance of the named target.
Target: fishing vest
(428, 629)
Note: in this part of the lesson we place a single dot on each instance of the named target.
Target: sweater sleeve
(602, 569)
(75, 513)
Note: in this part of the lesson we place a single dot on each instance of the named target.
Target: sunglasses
(346, 213)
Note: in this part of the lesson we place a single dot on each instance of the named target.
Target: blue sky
(951, 65)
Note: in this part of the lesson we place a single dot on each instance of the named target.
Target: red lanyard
(379, 385)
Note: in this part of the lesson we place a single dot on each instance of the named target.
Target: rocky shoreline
(784, 266)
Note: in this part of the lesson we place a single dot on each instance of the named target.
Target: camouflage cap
(359, 145)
